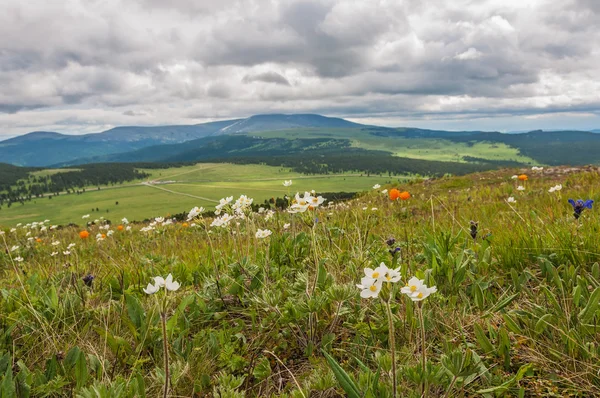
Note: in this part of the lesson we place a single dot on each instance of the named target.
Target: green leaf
(511, 324)
(81, 370)
(342, 377)
(542, 323)
(7, 388)
(135, 310)
(503, 303)
(482, 339)
(590, 309)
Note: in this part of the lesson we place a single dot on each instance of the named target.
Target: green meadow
(203, 185)
(416, 148)
(335, 300)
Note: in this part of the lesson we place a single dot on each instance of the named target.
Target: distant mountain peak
(281, 121)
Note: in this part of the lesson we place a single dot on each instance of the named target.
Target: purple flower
(88, 279)
(474, 225)
(579, 206)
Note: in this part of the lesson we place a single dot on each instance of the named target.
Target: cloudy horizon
(78, 66)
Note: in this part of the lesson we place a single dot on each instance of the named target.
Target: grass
(198, 185)
(416, 148)
(516, 310)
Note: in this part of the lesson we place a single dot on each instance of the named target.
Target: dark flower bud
(474, 226)
(390, 241)
(88, 279)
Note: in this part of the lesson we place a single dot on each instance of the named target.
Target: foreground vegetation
(268, 303)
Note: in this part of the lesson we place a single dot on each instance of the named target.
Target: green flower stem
(425, 389)
(163, 318)
(392, 344)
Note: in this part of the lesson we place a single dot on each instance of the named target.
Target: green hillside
(268, 305)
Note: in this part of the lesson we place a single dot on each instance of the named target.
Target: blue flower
(579, 206)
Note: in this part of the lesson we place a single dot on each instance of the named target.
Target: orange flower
(394, 194)
(38, 240)
(523, 177)
(404, 195)
(103, 236)
(120, 227)
(84, 234)
(185, 225)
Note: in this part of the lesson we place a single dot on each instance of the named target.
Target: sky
(80, 66)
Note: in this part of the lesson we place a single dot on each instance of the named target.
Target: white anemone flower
(514, 177)
(376, 186)
(385, 191)
(287, 183)
(170, 284)
(417, 290)
(85, 216)
(195, 212)
(286, 225)
(511, 200)
(151, 289)
(370, 287)
(19, 259)
(555, 188)
(520, 188)
(124, 221)
(263, 233)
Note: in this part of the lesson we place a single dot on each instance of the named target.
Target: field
(267, 304)
(416, 148)
(199, 185)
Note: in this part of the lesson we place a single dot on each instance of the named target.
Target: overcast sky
(77, 66)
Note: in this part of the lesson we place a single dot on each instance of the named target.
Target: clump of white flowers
(168, 283)
(308, 201)
(372, 282)
(555, 188)
(222, 221)
(263, 233)
(417, 290)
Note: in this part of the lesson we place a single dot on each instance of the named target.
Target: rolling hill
(49, 148)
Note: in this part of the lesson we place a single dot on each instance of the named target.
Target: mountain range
(43, 148)
(261, 136)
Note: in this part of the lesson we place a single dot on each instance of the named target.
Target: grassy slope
(416, 148)
(242, 298)
(211, 181)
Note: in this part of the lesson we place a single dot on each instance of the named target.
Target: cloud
(79, 66)
(267, 77)
(471, 53)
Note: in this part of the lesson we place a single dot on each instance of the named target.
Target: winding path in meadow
(179, 193)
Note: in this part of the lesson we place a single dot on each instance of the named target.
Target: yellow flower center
(413, 288)
(373, 288)
(315, 200)
(420, 295)
(375, 274)
(388, 277)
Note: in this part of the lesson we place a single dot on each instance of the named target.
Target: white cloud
(471, 53)
(79, 66)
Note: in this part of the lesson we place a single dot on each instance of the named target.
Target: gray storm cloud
(79, 66)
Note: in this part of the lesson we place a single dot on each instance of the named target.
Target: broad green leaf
(342, 377)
